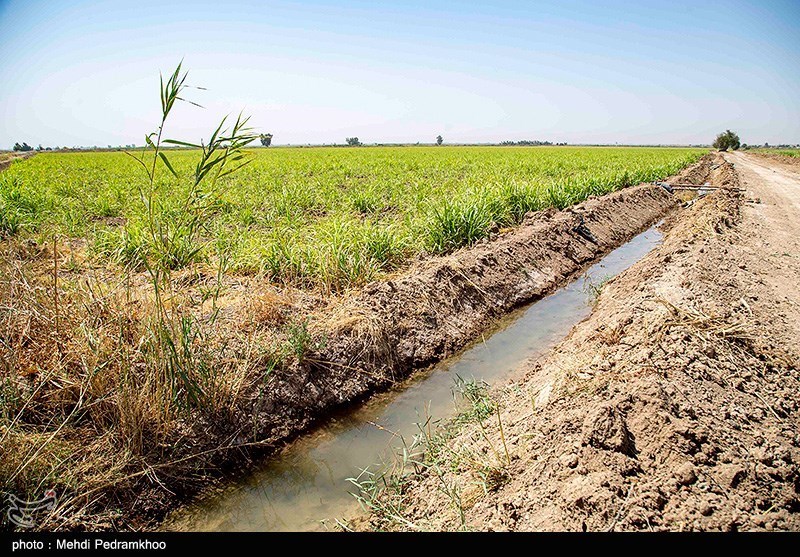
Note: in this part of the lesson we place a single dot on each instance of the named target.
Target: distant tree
(439, 140)
(23, 147)
(266, 139)
(527, 143)
(353, 141)
(726, 140)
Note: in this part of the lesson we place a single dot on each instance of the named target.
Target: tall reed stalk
(175, 237)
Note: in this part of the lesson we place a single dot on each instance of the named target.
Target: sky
(85, 72)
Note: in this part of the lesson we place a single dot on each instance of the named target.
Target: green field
(328, 217)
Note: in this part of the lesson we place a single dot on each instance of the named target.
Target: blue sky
(85, 72)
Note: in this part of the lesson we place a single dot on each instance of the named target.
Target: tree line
(724, 141)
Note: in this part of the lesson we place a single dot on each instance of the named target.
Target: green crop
(319, 217)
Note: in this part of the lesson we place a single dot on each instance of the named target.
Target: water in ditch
(305, 486)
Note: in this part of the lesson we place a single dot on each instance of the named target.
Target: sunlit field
(317, 217)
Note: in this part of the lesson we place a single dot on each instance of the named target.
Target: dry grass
(704, 325)
(87, 404)
(267, 308)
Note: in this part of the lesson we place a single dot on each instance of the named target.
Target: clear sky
(85, 72)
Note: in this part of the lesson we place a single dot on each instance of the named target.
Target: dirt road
(777, 186)
(674, 406)
(7, 158)
(770, 229)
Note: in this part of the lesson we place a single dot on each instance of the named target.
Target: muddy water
(305, 487)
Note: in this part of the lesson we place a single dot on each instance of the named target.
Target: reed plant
(173, 228)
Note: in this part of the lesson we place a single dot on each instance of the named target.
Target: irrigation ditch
(393, 333)
(386, 337)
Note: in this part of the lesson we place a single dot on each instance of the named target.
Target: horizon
(86, 73)
(255, 145)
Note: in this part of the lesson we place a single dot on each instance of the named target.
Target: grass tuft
(455, 224)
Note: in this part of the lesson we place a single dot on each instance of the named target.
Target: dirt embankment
(784, 162)
(7, 158)
(674, 406)
(394, 327)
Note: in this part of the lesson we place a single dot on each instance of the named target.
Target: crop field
(329, 218)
